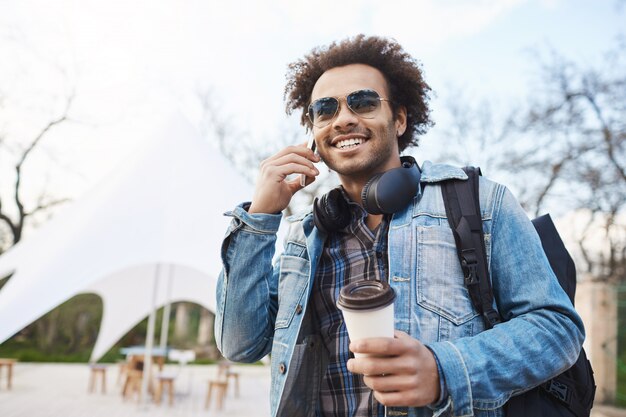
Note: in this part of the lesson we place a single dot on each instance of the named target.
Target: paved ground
(55, 390)
(603, 411)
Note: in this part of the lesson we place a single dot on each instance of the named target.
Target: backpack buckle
(558, 390)
(469, 263)
(492, 317)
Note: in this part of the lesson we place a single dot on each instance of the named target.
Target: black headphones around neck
(384, 193)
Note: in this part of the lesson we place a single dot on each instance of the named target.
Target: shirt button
(299, 309)
(282, 368)
(379, 255)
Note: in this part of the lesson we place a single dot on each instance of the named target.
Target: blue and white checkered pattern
(352, 254)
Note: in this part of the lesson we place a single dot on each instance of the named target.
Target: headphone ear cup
(390, 191)
(331, 212)
(368, 198)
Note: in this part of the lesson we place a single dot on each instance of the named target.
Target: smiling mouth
(349, 143)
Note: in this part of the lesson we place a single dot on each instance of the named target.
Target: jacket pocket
(440, 285)
(292, 282)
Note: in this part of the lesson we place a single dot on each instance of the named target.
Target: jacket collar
(440, 172)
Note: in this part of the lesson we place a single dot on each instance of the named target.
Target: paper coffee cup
(367, 308)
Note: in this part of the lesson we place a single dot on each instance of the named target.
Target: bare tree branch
(16, 226)
(607, 134)
(581, 245)
(45, 206)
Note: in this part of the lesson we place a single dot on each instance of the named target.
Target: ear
(400, 121)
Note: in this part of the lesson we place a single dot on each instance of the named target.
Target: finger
(308, 146)
(278, 173)
(399, 334)
(310, 154)
(289, 159)
(389, 383)
(408, 364)
(402, 398)
(371, 365)
(294, 158)
(377, 346)
(301, 150)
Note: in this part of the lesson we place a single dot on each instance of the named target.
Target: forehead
(340, 81)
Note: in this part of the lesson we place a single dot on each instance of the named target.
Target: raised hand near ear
(273, 192)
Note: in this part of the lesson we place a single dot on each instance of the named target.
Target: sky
(128, 64)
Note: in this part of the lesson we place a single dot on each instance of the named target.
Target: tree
(578, 120)
(12, 225)
(30, 112)
(564, 150)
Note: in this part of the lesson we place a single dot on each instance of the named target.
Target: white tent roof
(160, 210)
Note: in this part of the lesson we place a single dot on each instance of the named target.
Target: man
(364, 101)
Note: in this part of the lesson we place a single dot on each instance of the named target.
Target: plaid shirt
(352, 254)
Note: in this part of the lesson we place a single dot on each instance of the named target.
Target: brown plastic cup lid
(366, 295)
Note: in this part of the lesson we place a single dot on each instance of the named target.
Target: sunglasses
(363, 103)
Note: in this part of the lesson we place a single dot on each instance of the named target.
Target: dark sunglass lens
(323, 109)
(363, 102)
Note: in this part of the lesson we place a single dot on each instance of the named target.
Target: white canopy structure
(159, 215)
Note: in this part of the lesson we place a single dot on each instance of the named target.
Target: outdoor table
(135, 355)
(9, 364)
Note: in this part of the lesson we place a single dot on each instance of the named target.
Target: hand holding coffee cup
(367, 308)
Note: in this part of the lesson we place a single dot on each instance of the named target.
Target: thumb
(294, 185)
(398, 334)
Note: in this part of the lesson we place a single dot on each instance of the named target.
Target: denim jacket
(262, 308)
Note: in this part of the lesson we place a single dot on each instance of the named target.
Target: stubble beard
(381, 151)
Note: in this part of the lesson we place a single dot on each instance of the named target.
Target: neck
(353, 183)
(353, 189)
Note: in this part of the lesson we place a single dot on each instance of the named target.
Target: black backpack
(569, 394)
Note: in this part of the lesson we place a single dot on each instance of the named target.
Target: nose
(345, 117)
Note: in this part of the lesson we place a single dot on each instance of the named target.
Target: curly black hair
(402, 72)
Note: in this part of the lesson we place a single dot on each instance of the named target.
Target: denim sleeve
(442, 401)
(541, 336)
(247, 286)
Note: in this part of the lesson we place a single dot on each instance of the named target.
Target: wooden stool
(132, 384)
(122, 368)
(96, 370)
(234, 375)
(165, 381)
(220, 388)
(224, 373)
(8, 362)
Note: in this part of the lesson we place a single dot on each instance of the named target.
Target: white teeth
(348, 143)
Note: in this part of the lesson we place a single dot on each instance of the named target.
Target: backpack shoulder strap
(462, 205)
(560, 260)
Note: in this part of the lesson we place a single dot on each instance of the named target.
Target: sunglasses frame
(345, 98)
